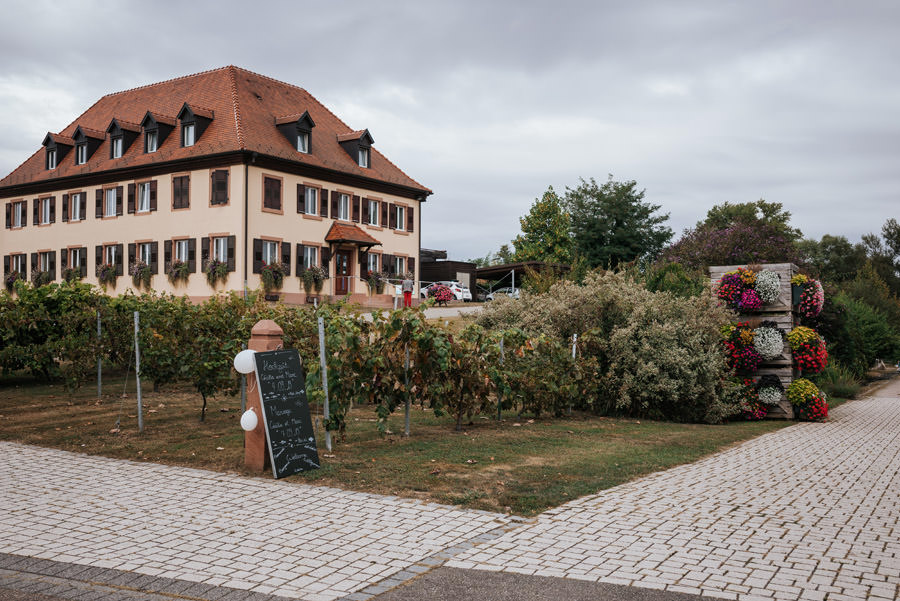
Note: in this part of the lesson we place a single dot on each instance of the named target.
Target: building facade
(225, 171)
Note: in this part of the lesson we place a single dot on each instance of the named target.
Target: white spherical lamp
(244, 363)
(249, 420)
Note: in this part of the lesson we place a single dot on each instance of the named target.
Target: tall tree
(834, 258)
(760, 212)
(611, 224)
(545, 232)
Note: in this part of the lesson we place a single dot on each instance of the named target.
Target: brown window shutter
(204, 252)
(83, 258)
(132, 254)
(37, 211)
(325, 259)
(52, 209)
(335, 196)
(130, 199)
(387, 263)
(154, 257)
(300, 268)
(192, 255)
(365, 210)
(65, 207)
(356, 209)
(119, 202)
(5, 265)
(410, 219)
(52, 264)
(363, 261)
(167, 253)
(99, 256)
(8, 215)
(63, 258)
(323, 202)
(119, 258)
(99, 212)
(392, 216)
(384, 213)
(34, 263)
(286, 256)
(229, 258)
(301, 198)
(257, 255)
(83, 207)
(153, 197)
(411, 266)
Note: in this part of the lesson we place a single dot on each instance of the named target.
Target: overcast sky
(488, 103)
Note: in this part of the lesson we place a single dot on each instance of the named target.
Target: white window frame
(145, 252)
(110, 205)
(372, 262)
(51, 158)
(362, 158)
(118, 143)
(374, 213)
(143, 201)
(152, 141)
(303, 142)
(74, 258)
(45, 211)
(270, 252)
(220, 249)
(81, 153)
(75, 207)
(109, 253)
(400, 217)
(399, 265)
(182, 250)
(343, 207)
(310, 256)
(18, 263)
(312, 201)
(187, 135)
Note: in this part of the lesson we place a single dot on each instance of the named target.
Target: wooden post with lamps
(266, 335)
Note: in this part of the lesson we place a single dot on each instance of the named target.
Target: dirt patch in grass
(518, 465)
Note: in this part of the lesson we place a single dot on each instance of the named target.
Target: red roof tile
(245, 105)
(347, 232)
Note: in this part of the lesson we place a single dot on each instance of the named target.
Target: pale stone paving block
(809, 512)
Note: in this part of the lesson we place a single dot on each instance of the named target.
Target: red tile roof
(353, 135)
(347, 232)
(245, 105)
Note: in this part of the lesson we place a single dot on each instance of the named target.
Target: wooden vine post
(266, 335)
(783, 313)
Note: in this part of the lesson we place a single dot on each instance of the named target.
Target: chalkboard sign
(289, 432)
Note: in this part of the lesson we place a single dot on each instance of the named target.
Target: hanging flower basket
(746, 290)
(811, 297)
(106, 274)
(770, 389)
(808, 349)
(751, 406)
(216, 271)
(178, 271)
(768, 340)
(809, 402)
(140, 275)
(740, 354)
(272, 276)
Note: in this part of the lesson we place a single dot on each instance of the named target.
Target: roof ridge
(150, 85)
(236, 108)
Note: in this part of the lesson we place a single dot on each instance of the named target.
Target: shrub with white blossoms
(770, 395)
(768, 341)
(767, 286)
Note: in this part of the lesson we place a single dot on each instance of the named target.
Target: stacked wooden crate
(782, 312)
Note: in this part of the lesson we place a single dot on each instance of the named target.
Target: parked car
(459, 291)
(511, 292)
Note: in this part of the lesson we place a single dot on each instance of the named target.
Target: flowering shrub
(216, 270)
(441, 293)
(770, 389)
(11, 279)
(768, 341)
(140, 274)
(767, 286)
(812, 298)
(751, 407)
(272, 276)
(106, 274)
(71, 274)
(740, 352)
(808, 349)
(178, 271)
(808, 400)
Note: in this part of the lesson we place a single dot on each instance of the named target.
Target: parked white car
(511, 292)
(459, 291)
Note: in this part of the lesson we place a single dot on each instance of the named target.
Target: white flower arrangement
(769, 342)
(769, 395)
(767, 286)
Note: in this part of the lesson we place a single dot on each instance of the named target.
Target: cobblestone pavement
(222, 530)
(808, 512)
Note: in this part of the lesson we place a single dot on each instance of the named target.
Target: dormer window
(303, 142)
(156, 129)
(297, 128)
(152, 141)
(121, 135)
(51, 159)
(194, 122)
(87, 141)
(357, 144)
(81, 153)
(187, 134)
(363, 159)
(116, 145)
(57, 147)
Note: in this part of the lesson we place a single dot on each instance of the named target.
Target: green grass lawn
(522, 466)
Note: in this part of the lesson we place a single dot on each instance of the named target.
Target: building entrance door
(342, 272)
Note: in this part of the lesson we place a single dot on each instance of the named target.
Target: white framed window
(401, 217)
(344, 207)
(373, 212)
(269, 252)
(187, 134)
(144, 252)
(372, 262)
(303, 142)
(363, 158)
(181, 250)
(81, 154)
(399, 265)
(110, 203)
(152, 138)
(51, 159)
(310, 256)
(312, 201)
(18, 214)
(18, 263)
(110, 254)
(45, 211)
(44, 259)
(117, 147)
(143, 197)
(220, 249)
(75, 207)
(74, 258)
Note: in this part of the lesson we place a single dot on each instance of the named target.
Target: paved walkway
(808, 512)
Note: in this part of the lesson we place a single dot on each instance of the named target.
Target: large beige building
(225, 166)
